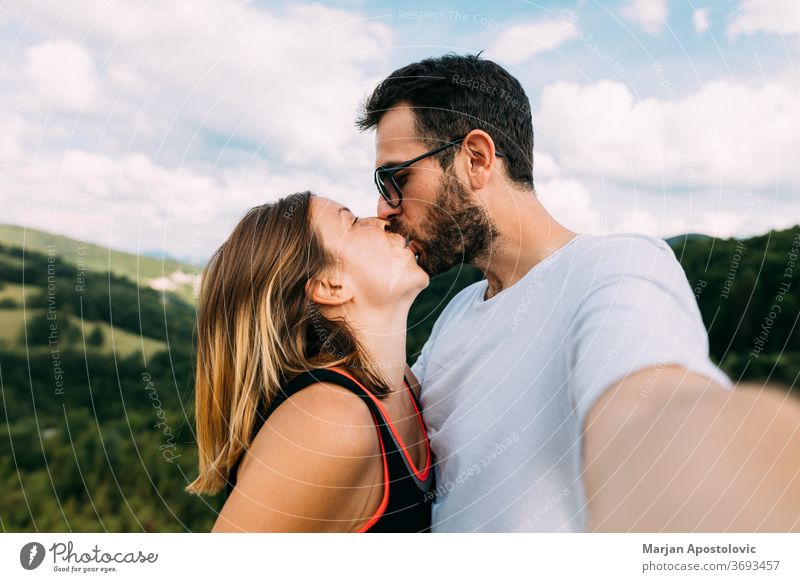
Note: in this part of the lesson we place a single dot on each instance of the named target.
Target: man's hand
(668, 450)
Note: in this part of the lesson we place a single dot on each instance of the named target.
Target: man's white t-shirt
(507, 383)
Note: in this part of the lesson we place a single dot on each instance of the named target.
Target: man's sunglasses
(385, 175)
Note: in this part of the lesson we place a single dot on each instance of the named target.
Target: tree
(96, 338)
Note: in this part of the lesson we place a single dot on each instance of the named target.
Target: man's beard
(455, 230)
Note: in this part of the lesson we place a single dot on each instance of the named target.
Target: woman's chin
(417, 273)
(413, 284)
(424, 278)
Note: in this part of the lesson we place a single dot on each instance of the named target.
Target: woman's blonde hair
(257, 329)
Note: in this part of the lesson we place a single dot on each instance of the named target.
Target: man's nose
(385, 211)
(377, 221)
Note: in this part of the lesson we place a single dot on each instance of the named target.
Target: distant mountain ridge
(143, 269)
(673, 241)
(103, 391)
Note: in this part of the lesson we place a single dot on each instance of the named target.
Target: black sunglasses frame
(388, 172)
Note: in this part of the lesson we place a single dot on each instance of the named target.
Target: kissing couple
(524, 409)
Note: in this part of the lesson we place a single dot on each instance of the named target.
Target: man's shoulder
(614, 246)
(463, 297)
(625, 253)
(460, 301)
(620, 261)
(467, 292)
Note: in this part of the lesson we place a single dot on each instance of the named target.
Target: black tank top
(407, 492)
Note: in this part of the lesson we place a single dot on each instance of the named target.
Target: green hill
(147, 271)
(96, 371)
(96, 374)
(736, 282)
(747, 290)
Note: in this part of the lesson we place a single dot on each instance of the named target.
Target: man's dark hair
(451, 95)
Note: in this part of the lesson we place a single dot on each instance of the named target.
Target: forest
(96, 376)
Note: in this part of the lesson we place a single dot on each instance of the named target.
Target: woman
(305, 408)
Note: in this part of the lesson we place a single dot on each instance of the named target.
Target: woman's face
(372, 264)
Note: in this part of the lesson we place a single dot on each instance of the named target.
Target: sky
(152, 126)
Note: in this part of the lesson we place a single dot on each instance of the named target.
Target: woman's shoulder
(301, 471)
(322, 419)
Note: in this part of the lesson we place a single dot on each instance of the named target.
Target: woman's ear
(327, 289)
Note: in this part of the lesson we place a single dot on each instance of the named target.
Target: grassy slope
(137, 268)
(122, 342)
(15, 292)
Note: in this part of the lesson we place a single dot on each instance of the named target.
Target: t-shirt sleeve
(638, 311)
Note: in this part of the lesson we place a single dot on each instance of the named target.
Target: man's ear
(479, 147)
(328, 289)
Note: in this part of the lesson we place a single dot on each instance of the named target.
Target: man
(570, 390)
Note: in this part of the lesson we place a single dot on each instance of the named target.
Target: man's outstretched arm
(669, 450)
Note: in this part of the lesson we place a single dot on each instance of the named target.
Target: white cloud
(545, 165)
(720, 224)
(723, 224)
(142, 125)
(63, 75)
(729, 134)
(650, 15)
(591, 205)
(700, 20)
(192, 111)
(570, 203)
(773, 16)
(192, 75)
(519, 43)
(642, 220)
(130, 202)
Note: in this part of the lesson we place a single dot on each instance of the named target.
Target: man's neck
(527, 235)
